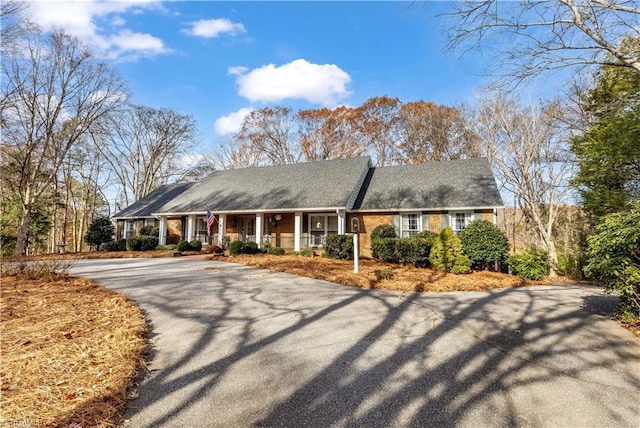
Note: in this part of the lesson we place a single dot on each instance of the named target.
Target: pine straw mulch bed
(403, 278)
(71, 351)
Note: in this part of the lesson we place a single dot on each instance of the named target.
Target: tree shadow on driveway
(238, 346)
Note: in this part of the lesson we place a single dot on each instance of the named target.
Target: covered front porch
(292, 231)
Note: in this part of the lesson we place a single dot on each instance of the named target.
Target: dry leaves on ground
(70, 352)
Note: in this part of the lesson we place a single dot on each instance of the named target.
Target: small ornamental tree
(614, 259)
(446, 253)
(484, 243)
(100, 231)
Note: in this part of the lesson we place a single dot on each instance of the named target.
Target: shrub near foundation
(446, 254)
(484, 243)
(339, 246)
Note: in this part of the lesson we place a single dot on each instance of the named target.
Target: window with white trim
(459, 220)
(129, 229)
(320, 226)
(410, 224)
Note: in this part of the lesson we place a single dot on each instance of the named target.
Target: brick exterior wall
(367, 222)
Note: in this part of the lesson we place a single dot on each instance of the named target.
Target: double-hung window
(410, 225)
(460, 220)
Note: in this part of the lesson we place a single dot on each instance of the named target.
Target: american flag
(210, 220)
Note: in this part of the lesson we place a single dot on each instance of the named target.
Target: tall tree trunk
(23, 231)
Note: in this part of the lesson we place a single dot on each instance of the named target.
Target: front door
(248, 229)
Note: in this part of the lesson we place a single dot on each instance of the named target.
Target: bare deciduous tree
(269, 132)
(528, 149)
(145, 148)
(53, 93)
(11, 21)
(530, 37)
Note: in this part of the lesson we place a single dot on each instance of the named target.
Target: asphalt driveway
(238, 346)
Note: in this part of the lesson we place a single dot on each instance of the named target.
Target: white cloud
(231, 123)
(118, 21)
(83, 18)
(237, 70)
(211, 28)
(323, 84)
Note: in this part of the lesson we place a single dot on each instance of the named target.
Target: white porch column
(191, 224)
(259, 223)
(222, 223)
(162, 231)
(342, 217)
(297, 231)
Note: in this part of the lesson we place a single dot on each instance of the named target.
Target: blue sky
(217, 60)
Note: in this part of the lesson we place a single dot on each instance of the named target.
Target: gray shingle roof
(464, 183)
(313, 185)
(153, 201)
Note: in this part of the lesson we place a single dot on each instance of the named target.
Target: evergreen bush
(530, 264)
(133, 244)
(446, 253)
(484, 243)
(339, 246)
(116, 245)
(250, 247)
(383, 231)
(183, 246)
(100, 230)
(384, 250)
(195, 245)
(276, 251)
(147, 243)
(614, 259)
(236, 247)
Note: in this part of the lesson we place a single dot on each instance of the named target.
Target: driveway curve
(239, 346)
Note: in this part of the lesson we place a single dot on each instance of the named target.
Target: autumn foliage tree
(389, 131)
(431, 132)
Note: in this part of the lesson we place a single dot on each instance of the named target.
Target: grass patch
(71, 350)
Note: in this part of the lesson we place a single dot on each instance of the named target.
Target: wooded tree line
(385, 128)
(69, 132)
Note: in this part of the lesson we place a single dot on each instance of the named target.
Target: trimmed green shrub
(236, 247)
(484, 243)
(461, 265)
(428, 236)
(383, 231)
(169, 247)
(306, 252)
(195, 245)
(406, 251)
(133, 244)
(183, 246)
(384, 250)
(276, 251)
(99, 231)
(117, 245)
(147, 243)
(250, 247)
(530, 264)
(614, 259)
(339, 246)
(150, 231)
(383, 274)
(446, 253)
